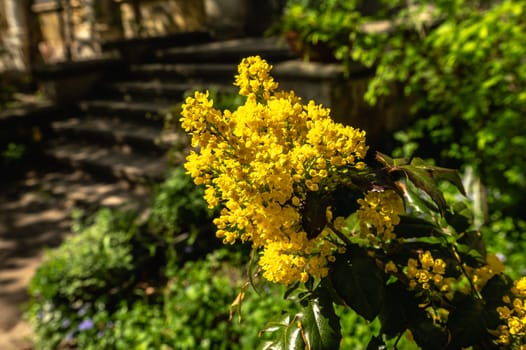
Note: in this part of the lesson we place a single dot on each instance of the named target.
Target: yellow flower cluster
(513, 314)
(260, 161)
(379, 214)
(426, 272)
(481, 275)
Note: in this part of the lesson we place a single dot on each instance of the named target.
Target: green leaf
(461, 218)
(472, 248)
(423, 179)
(358, 282)
(418, 202)
(449, 175)
(285, 332)
(415, 227)
(423, 176)
(376, 343)
(426, 334)
(399, 308)
(466, 324)
(320, 325)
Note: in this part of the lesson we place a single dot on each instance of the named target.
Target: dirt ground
(30, 221)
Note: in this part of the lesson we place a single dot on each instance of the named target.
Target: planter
(320, 52)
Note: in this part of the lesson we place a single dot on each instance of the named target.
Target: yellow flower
(427, 272)
(513, 315)
(390, 267)
(519, 287)
(260, 162)
(379, 214)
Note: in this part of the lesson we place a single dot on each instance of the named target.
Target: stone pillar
(16, 36)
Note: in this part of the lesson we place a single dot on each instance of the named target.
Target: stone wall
(97, 21)
(327, 84)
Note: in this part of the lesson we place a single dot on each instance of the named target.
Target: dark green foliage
(96, 260)
(180, 219)
(357, 281)
(178, 206)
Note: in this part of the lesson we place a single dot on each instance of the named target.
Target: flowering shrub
(340, 227)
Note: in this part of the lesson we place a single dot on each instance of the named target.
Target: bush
(180, 217)
(88, 271)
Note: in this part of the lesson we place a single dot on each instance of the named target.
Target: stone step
(115, 131)
(231, 51)
(141, 111)
(192, 73)
(109, 162)
(139, 49)
(158, 90)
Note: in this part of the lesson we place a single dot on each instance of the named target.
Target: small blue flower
(85, 325)
(100, 334)
(82, 311)
(65, 323)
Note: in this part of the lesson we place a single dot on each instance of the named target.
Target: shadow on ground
(30, 221)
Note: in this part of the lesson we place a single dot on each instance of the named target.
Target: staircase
(115, 139)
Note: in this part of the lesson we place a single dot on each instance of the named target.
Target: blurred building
(47, 31)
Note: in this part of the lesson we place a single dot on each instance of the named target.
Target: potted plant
(320, 30)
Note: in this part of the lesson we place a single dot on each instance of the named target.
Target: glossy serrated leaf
(441, 174)
(385, 160)
(415, 227)
(320, 326)
(285, 333)
(390, 162)
(358, 282)
(422, 178)
(418, 203)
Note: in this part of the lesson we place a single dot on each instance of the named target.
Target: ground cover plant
(339, 225)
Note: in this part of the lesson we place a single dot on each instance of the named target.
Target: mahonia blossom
(513, 314)
(427, 272)
(260, 161)
(379, 213)
(481, 275)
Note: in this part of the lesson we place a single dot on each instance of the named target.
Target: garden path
(35, 215)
